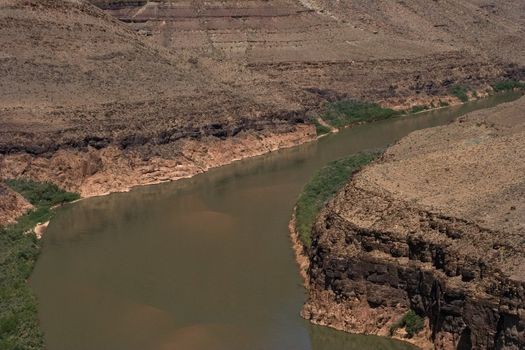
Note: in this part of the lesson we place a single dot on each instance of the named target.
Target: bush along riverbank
(316, 193)
(19, 248)
(321, 187)
(346, 113)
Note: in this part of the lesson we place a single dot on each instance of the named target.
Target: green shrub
(508, 85)
(460, 92)
(443, 103)
(321, 187)
(417, 109)
(348, 112)
(320, 129)
(19, 249)
(411, 322)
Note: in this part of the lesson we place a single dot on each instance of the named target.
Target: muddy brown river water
(203, 263)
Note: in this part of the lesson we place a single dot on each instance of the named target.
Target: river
(202, 263)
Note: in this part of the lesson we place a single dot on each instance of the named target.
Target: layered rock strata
(88, 104)
(436, 226)
(401, 53)
(151, 85)
(93, 171)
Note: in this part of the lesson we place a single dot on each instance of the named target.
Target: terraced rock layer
(400, 53)
(436, 226)
(82, 95)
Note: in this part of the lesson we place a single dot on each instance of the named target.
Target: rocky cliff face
(436, 227)
(93, 171)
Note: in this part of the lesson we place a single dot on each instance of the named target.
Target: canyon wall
(99, 99)
(90, 105)
(436, 226)
(93, 171)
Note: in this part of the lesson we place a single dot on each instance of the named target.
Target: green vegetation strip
(320, 129)
(348, 112)
(323, 185)
(508, 85)
(19, 248)
(460, 92)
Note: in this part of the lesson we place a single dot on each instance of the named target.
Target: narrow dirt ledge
(435, 227)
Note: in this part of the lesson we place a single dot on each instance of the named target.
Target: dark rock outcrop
(435, 227)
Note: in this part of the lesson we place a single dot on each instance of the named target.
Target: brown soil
(12, 205)
(437, 227)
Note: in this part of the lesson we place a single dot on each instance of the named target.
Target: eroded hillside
(376, 50)
(99, 99)
(75, 76)
(84, 95)
(435, 227)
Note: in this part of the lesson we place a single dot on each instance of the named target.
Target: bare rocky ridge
(73, 77)
(436, 226)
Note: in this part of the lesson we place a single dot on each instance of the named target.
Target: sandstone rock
(407, 234)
